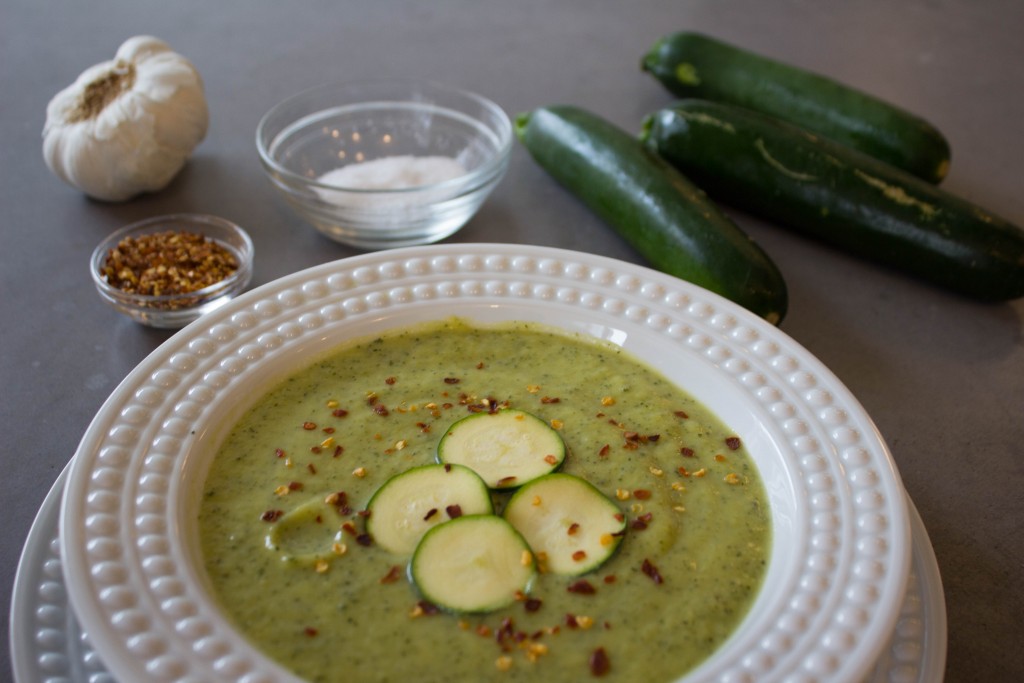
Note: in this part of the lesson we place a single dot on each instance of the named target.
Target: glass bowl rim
(476, 178)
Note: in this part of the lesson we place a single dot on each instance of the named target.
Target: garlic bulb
(128, 125)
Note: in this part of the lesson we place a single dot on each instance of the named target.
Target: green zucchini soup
(312, 513)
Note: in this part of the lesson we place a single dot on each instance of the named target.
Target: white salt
(394, 173)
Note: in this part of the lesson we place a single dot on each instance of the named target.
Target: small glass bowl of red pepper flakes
(168, 271)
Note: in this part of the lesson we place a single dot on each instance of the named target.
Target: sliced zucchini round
(572, 527)
(476, 563)
(507, 448)
(407, 505)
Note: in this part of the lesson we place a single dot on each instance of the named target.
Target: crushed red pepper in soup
(284, 540)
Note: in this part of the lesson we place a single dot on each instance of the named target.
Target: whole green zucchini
(784, 173)
(692, 65)
(659, 212)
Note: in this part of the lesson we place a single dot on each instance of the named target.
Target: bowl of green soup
(484, 463)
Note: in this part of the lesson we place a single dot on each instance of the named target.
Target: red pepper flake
(338, 450)
(641, 522)
(328, 430)
(272, 515)
(312, 468)
(686, 452)
(310, 631)
(424, 427)
(570, 621)
(631, 436)
(579, 555)
(733, 442)
(454, 511)
(641, 494)
(506, 629)
(339, 412)
(339, 499)
(488, 405)
(604, 450)
(611, 578)
(295, 486)
(167, 262)
(381, 410)
(582, 587)
(681, 413)
(507, 632)
(364, 540)
(430, 513)
(550, 399)
(505, 481)
(550, 459)
(308, 426)
(653, 437)
(279, 452)
(532, 604)
(515, 638)
(392, 576)
(389, 380)
(683, 471)
(451, 380)
(350, 528)
(315, 449)
(447, 467)
(599, 663)
(573, 528)
(651, 571)
(428, 608)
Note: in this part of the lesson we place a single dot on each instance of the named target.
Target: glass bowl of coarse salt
(382, 164)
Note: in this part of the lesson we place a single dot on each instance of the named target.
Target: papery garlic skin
(128, 125)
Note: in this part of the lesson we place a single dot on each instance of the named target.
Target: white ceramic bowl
(330, 127)
(840, 557)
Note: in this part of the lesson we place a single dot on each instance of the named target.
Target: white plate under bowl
(841, 545)
(48, 645)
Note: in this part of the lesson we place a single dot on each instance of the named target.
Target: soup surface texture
(284, 541)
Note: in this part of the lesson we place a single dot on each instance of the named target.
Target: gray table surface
(942, 376)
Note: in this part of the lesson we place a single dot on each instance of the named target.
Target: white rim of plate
(842, 542)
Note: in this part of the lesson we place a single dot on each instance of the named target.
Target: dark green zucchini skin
(692, 65)
(783, 173)
(652, 206)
